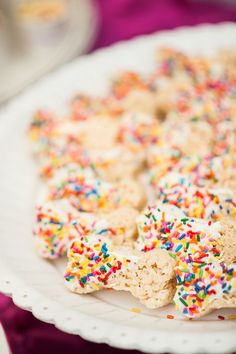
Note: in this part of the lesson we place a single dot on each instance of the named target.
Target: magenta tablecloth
(123, 19)
(120, 19)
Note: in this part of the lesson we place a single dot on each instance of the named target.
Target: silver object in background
(37, 35)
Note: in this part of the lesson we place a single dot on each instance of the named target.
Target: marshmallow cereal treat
(57, 224)
(138, 130)
(93, 264)
(88, 193)
(204, 280)
(194, 201)
(139, 184)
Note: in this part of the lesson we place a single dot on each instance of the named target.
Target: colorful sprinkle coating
(52, 233)
(172, 63)
(196, 202)
(84, 107)
(201, 274)
(56, 229)
(201, 171)
(138, 131)
(86, 194)
(93, 264)
(56, 143)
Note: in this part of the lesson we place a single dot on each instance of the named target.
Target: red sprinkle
(221, 318)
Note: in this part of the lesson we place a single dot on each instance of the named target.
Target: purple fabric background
(123, 19)
(120, 19)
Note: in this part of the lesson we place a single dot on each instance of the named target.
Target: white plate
(37, 285)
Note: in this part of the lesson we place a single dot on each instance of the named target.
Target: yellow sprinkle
(121, 230)
(96, 286)
(135, 309)
(232, 317)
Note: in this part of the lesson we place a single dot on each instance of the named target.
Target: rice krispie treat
(205, 280)
(83, 107)
(186, 137)
(93, 264)
(227, 57)
(228, 236)
(110, 165)
(87, 193)
(56, 225)
(141, 101)
(198, 202)
(100, 132)
(47, 129)
(138, 130)
(174, 64)
(206, 171)
(56, 143)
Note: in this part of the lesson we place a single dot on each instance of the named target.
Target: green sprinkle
(172, 255)
(194, 119)
(202, 265)
(153, 216)
(184, 220)
(185, 270)
(201, 296)
(183, 302)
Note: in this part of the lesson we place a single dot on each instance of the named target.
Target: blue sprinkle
(197, 288)
(102, 231)
(178, 248)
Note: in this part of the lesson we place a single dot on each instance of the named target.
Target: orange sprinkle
(170, 317)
